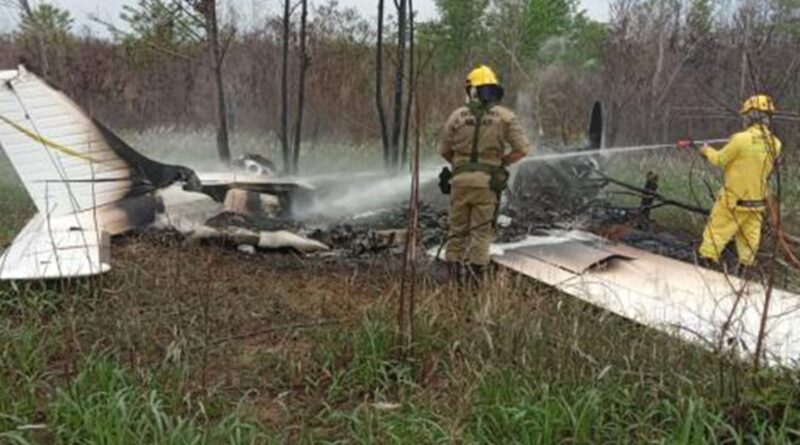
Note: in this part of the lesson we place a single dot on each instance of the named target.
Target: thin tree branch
(116, 31)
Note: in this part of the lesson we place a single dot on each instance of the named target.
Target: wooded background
(664, 69)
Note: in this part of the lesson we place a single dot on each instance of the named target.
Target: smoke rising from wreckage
(88, 185)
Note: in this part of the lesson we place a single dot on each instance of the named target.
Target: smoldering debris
(660, 243)
(198, 218)
(338, 219)
(564, 194)
(556, 191)
(257, 222)
(380, 230)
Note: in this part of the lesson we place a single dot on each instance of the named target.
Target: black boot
(475, 275)
(706, 263)
(748, 272)
(742, 271)
(454, 276)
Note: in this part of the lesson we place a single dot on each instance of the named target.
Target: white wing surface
(674, 297)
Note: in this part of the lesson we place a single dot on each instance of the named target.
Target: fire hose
(773, 209)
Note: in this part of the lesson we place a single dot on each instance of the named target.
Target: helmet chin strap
(472, 94)
(756, 118)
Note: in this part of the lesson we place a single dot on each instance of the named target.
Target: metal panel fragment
(574, 256)
(677, 298)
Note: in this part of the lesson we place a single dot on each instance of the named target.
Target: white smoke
(351, 195)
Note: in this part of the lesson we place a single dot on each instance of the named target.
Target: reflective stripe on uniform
(751, 204)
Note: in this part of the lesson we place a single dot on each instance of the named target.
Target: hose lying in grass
(783, 238)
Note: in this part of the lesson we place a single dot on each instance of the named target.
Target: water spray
(363, 192)
(605, 151)
(366, 191)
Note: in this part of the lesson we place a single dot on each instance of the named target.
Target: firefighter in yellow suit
(480, 140)
(747, 161)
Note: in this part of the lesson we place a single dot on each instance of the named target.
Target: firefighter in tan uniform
(479, 140)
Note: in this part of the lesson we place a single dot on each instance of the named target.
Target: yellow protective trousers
(726, 223)
(471, 220)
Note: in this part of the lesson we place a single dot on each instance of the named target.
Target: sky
(108, 10)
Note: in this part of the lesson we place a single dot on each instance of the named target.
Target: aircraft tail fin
(61, 158)
(595, 134)
(68, 162)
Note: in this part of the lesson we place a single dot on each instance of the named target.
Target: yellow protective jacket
(747, 161)
(500, 131)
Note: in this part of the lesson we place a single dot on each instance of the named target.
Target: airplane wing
(56, 248)
(217, 185)
(674, 297)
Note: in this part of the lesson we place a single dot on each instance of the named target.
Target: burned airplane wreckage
(88, 185)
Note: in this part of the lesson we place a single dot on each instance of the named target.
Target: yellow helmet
(480, 76)
(760, 102)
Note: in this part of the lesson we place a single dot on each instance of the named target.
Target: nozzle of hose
(686, 144)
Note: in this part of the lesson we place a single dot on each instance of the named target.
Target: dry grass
(305, 349)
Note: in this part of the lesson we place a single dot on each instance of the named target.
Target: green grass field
(183, 344)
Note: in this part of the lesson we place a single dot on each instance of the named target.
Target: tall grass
(102, 404)
(514, 363)
(105, 405)
(531, 371)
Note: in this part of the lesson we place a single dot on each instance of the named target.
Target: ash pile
(381, 231)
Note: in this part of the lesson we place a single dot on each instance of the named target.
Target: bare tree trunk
(27, 12)
(379, 87)
(223, 144)
(743, 75)
(412, 81)
(655, 82)
(301, 94)
(209, 9)
(287, 167)
(610, 125)
(398, 82)
(25, 6)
